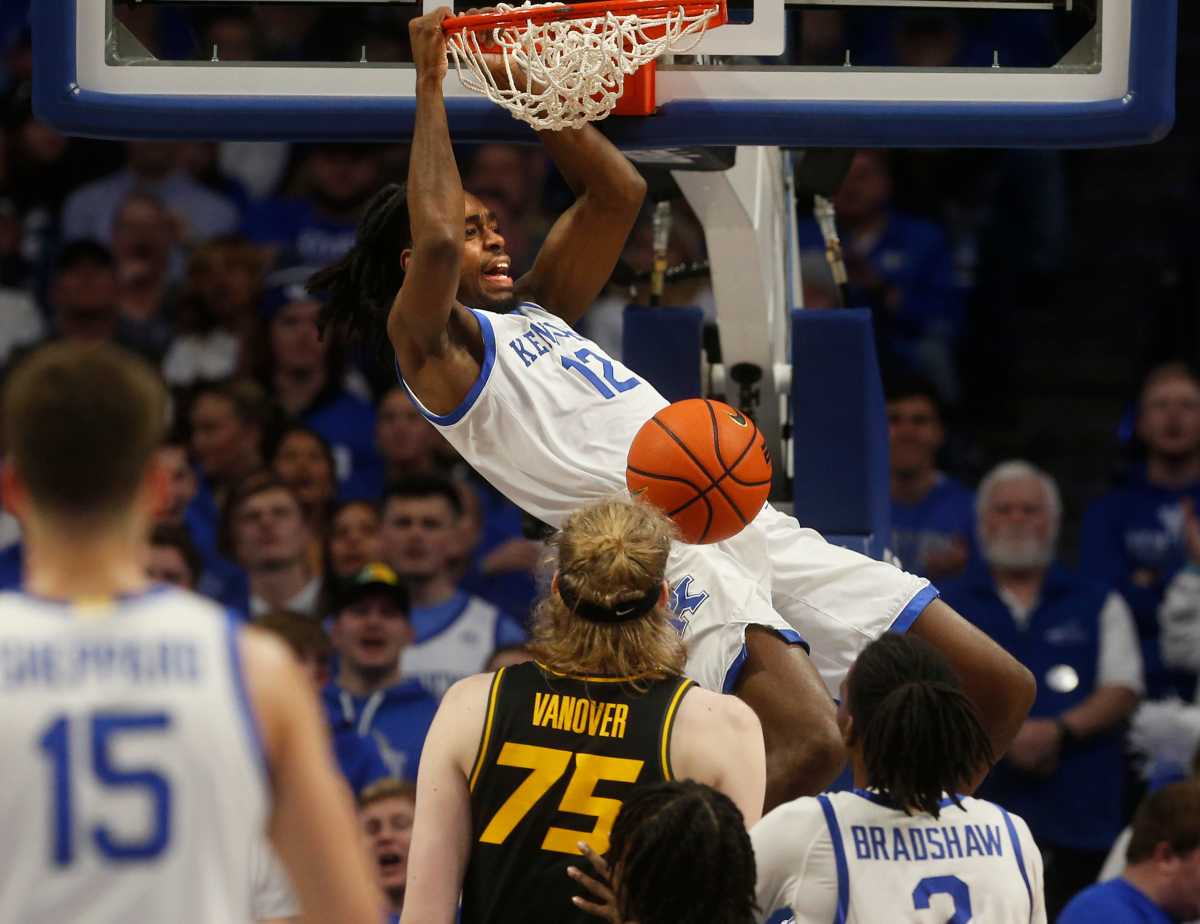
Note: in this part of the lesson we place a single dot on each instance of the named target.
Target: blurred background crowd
(1039, 305)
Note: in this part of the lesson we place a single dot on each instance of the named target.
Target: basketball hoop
(561, 65)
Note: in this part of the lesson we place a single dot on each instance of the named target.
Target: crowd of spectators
(307, 493)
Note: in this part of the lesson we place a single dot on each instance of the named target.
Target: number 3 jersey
(558, 757)
(134, 782)
(850, 858)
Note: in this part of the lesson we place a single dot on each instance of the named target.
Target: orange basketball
(705, 465)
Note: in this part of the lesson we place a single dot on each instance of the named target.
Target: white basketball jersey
(847, 858)
(134, 782)
(551, 418)
(458, 650)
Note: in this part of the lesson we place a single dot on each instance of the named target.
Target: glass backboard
(796, 73)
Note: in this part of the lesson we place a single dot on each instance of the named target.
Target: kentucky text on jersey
(580, 716)
(929, 842)
(540, 337)
(72, 663)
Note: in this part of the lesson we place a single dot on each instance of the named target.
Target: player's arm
(582, 247)
(441, 838)
(419, 316)
(1000, 686)
(312, 825)
(718, 740)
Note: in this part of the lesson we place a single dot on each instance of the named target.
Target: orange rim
(481, 22)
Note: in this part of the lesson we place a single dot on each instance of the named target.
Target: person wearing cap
(310, 379)
(524, 765)
(1063, 772)
(369, 630)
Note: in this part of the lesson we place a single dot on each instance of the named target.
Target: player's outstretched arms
(417, 322)
(799, 722)
(718, 740)
(582, 247)
(1000, 686)
(312, 826)
(441, 838)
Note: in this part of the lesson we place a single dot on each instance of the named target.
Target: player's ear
(554, 583)
(405, 257)
(156, 486)
(664, 594)
(12, 492)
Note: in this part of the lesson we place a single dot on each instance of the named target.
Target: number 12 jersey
(558, 757)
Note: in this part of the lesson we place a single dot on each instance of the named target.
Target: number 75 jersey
(551, 417)
(558, 757)
(134, 784)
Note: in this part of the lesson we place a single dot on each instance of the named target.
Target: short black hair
(291, 428)
(905, 698)
(903, 387)
(85, 252)
(684, 857)
(177, 537)
(412, 487)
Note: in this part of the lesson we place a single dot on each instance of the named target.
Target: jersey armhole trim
(485, 739)
(839, 857)
(1019, 854)
(669, 725)
(914, 608)
(791, 636)
(485, 371)
(242, 696)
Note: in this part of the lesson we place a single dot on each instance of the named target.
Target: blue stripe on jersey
(1016, 842)
(909, 614)
(485, 370)
(233, 625)
(839, 857)
(735, 669)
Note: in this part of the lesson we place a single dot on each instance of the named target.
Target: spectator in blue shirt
(902, 268)
(1161, 884)
(1063, 772)
(154, 168)
(370, 629)
(318, 229)
(455, 632)
(358, 756)
(933, 516)
(307, 374)
(1133, 537)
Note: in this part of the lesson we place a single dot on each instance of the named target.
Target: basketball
(704, 464)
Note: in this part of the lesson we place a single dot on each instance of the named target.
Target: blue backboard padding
(663, 345)
(1145, 114)
(839, 427)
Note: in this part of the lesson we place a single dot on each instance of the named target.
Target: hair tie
(625, 611)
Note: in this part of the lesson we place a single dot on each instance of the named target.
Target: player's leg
(738, 644)
(839, 600)
(804, 749)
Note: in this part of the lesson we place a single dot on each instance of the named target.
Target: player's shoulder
(470, 692)
(717, 711)
(793, 827)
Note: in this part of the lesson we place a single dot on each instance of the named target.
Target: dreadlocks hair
(921, 735)
(362, 285)
(682, 856)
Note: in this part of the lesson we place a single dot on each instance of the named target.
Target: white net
(566, 72)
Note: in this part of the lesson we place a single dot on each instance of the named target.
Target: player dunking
(523, 765)
(548, 418)
(903, 847)
(147, 740)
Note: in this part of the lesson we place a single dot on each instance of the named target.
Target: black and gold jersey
(558, 756)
